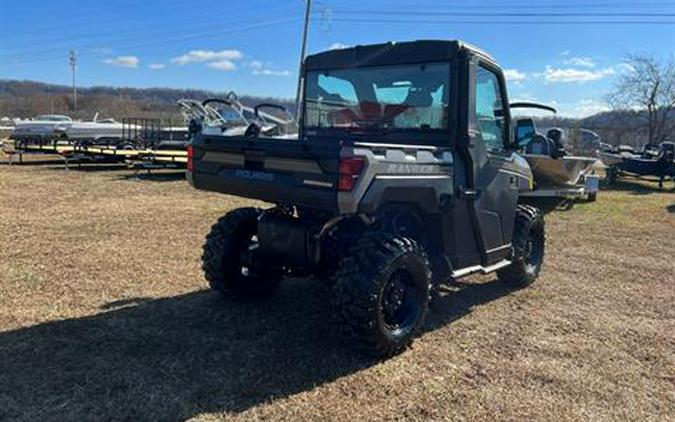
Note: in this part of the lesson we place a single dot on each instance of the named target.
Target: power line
(143, 30)
(567, 5)
(83, 19)
(504, 14)
(508, 22)
(201, 36)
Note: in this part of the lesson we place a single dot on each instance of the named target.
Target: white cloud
(513, 75)
(129, 62)
(524, 97)
(256, 64)
(570, 75)
(157, 66)
(580, 61)
(201, 56)
(565, 53)
(265, 69)
(337, 46)
(226, 65)
(270, 72)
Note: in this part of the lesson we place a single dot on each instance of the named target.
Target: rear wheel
(381, 296)
(529, 243)
(229, 259)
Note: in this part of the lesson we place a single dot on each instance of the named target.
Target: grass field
(104, 316)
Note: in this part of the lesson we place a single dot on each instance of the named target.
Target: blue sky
(253, 46)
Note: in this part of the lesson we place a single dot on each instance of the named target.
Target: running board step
(479, 268)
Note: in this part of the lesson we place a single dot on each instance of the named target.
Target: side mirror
(525, 131)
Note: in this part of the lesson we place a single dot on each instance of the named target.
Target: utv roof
(422, 51)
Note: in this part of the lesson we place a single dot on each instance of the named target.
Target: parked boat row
(654, 161)
(148, 142)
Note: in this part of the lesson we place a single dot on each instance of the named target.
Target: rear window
(413, 97)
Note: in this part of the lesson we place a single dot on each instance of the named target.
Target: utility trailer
(144, 143)
(405, 174)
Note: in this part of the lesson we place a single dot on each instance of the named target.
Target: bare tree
(648, 86)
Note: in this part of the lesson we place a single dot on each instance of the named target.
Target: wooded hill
(25, 99)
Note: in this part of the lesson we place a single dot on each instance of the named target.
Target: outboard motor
(558, 149)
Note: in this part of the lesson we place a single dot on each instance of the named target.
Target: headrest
(419, 98)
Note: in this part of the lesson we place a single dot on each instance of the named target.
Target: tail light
(190, 158)
(350, 170)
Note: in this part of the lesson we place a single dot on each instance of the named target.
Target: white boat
(48, 126)
(228, 117)
(59, 127)
(95, 130)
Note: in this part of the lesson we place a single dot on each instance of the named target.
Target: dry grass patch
(104, 316)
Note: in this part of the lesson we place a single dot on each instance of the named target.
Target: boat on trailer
(63, 128)
(558, 177)
(654, 162)
(94, 130)
(44, 127)
(561, 172)
(229, 117)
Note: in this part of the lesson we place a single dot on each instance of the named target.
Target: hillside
(27, 99)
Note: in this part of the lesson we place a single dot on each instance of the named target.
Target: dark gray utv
(405, 174)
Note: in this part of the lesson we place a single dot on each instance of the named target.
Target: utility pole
(73, 65)
(303, 53)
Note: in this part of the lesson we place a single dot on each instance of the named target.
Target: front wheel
(229, 258)
(529, 243)
(381, 295)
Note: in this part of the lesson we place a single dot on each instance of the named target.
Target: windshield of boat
(411, 97)
(51, 118)
(226, 115)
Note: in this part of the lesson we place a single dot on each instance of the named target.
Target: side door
(495, 181)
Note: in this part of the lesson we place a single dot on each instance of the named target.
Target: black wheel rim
(534, 252)
(246, 267)
(399, 303)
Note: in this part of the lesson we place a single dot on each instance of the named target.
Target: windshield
(401, 97)
(52, 118)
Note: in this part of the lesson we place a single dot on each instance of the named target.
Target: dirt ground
(104, 316)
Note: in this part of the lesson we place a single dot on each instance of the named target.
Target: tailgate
(272, 170)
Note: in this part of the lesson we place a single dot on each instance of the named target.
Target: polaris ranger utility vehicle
(404, 174)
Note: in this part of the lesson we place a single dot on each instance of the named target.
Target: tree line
(27, 99)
